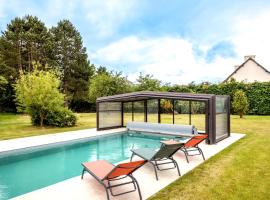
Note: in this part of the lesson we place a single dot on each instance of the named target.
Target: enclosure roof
(144, 95)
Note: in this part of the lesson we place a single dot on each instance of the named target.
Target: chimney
(249, 56)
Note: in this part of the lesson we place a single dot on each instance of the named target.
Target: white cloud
(252, 37)
(171, 59)
(168, 59)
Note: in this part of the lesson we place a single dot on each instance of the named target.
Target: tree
(71, 61)
(240, 103)
(25, 40)
(102, 70)
(3, 83)
(147, 82)
(37, 93)
(3, 92)
(167, 106)
(104, 84)
(8, 75)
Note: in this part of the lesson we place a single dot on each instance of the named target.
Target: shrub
(167, 106)
(62, 118)
(240, 103)
(37, 93)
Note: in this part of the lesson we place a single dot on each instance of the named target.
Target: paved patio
(89, 188)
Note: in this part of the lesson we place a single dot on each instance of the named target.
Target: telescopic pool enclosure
(207, 112)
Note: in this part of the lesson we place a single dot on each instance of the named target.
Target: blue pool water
(28, 170)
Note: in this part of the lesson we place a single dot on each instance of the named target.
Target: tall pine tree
(71, 60)
(24, 41)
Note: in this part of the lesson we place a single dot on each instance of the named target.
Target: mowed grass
(242, 171)
(18, 125)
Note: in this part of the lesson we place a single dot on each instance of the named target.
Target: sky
(176, 41)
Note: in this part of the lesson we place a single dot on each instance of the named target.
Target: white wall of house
(251, 72)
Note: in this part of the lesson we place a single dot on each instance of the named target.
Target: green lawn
(15, 126)
(242, 171)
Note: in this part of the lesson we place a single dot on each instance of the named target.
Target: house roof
(144, 95)
(243, 64)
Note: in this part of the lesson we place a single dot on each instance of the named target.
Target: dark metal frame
(186, 151)
(109, 180)
(208, 99)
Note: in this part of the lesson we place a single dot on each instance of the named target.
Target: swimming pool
(33, 168)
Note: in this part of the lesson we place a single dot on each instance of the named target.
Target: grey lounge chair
(160, 157)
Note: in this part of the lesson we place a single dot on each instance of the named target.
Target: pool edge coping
(13, 145)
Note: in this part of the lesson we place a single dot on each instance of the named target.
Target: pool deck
(35, 141)
(89, 188)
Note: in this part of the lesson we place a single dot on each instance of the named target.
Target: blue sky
(177, 41)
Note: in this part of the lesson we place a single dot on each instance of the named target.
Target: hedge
(258, 93)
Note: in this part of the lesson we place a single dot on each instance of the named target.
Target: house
(250, 71)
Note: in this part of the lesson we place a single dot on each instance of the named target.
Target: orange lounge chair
(192, 145)
(104, 171)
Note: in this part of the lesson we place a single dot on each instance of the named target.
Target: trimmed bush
(62, 118)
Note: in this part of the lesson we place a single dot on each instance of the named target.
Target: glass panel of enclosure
(110, 114)
(127, 115)
(152, 111)
(138, 110)
(166, 111)
(198, 115)
(221, 116)
(181, 112)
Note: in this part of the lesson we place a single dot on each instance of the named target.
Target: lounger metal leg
(201, 153)
(132, 177)
(186, 154)
(157, 165)
(155, 170)
(110, 188)
(139, 191)
(175, 163)
(107, 193)
(106, 189)
(83, 173)
(131, 157)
